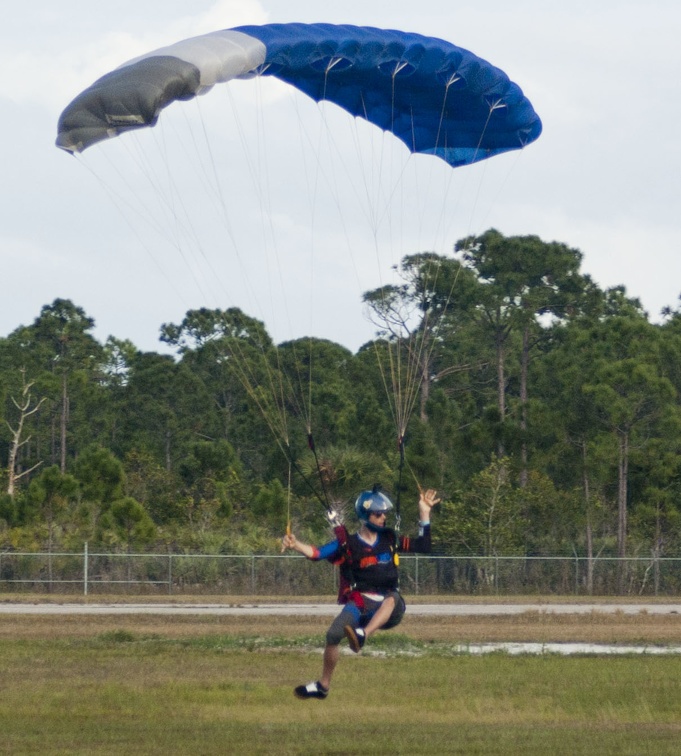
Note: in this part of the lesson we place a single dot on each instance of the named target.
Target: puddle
(564, 649)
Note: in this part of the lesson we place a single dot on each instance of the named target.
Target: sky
(603, 178)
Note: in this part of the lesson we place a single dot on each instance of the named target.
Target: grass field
(206, 685)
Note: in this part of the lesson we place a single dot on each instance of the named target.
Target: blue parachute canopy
(436, 98)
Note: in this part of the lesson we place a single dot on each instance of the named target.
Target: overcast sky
(604, 177)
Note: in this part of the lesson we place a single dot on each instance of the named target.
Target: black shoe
(312, 690)
(356, 637)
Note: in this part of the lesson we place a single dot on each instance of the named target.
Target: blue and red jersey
(370, 568)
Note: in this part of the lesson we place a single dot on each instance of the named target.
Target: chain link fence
(292, 575)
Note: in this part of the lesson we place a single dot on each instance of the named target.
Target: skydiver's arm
(311, 552)
(419, 545)
(422, 544)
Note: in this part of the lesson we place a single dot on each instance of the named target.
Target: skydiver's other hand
(427, 500)
(429, 497)
(289, 541)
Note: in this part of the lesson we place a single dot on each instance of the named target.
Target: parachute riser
(400, 449)
(313, 449)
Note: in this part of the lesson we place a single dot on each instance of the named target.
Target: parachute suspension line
(279, 427)
(268, 402)
(274, 420)
(293, 466)
(279, 430)
(201, 158)
(322, 131)
(400, 389)
(212, 178)
(415, 348)
(320, 472)
(120, 202)
(288, 502)
(273, 401)
(301, 395)
(165, 219)
(372, 193)
(292, 463)
(407, 369)
(408, 357)
(259, 183)
(418, 350)
(400, 404)
(500, 185)
(411, 352)
(402, 464)
(450, 293)
(392, 388)
(259, 179)
(297, 397)
(178, 229)
(275, 417)
(394, 356)
(298, 388)
(271, 394)
(172, 219)
(313, 184)
(483, 131)
(277, 420)
(180, 226)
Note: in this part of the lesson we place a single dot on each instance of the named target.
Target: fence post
(170, 573)
(85, 568)
(416, 574)
(576, 575)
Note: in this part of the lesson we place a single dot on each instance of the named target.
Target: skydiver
(369, 577)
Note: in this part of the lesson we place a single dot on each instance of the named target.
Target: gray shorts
(353, 616)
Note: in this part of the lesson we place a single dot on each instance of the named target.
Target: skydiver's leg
(331, 656)
(381, 616)
(350, 615)
(399, 608)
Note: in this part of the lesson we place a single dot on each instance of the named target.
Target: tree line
(545, 408)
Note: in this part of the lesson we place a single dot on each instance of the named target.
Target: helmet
(372, 501)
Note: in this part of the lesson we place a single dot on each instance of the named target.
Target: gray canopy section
(133, 95)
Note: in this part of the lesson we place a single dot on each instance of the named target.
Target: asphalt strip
(434, 610)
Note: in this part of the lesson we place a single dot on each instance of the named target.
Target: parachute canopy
(436, 98)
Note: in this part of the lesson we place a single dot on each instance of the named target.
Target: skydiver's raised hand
(427, 500)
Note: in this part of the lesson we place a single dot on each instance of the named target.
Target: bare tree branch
(25, 411)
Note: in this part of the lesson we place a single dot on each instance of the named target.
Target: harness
(347, 564)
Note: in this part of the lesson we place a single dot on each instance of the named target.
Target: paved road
(444, 610)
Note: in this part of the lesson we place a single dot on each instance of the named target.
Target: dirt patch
(527, 627)
(538, 627)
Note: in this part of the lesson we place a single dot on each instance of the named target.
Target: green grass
(123, 693)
